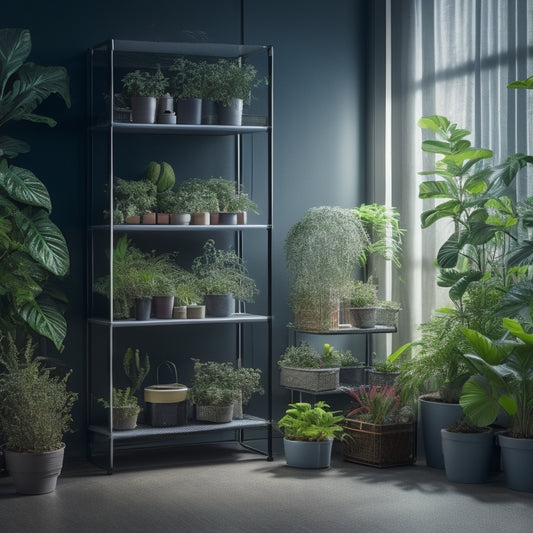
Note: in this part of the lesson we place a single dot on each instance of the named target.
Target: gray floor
(225, 489)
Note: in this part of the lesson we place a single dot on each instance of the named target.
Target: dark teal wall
(319, 145)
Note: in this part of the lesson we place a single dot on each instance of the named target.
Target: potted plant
(223, 277)
(213, 391)
(380, 430)
(363, 303)
(124, 403)
(387, 313)
(467, 450)
(187, 85)
(143, 88)
(201, 200)
(33, 250)
(247, 382)
(302, 367)
(322, 249)
(186, 294)
(133, 199)
(384, 373)
(230, 85)
(308, 434)
(503, 380)
(35, 414)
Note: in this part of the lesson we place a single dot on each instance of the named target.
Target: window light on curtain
(452, 58)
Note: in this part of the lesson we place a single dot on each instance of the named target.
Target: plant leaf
(24, 187)
(15, 47)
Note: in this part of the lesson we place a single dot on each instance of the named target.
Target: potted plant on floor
(308, 434)
(33, 250)
(223, 277)
(503, 380)
(35, 414)
(143, 88)
(380, 430)
(322, 249)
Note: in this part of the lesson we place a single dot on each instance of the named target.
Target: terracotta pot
(200, 219)
(163, 218)
(133, 220)
(214, 218)
(149, 218)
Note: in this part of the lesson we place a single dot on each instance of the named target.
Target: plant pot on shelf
(214, 219)
(317, 319)
(380, 445)
(200, 219)
(242, 217)
(143, 109)
(310, 379)
(352, 375)
(165, 104)
(179, 311)
(363, 317)
(517, 461)
(136, 219)
(434, 416)
(166, 118)
(163, 218)
(125, 418)
(143, 308)
(149, 218)
(190, 111)
(230, 115)
(35, 473)
(196, 311)
(215, 413)
(162, 306)
(308, 454)
(180, 219)
(377, 377)
(219, 305)
(228, 219)
(467, 456)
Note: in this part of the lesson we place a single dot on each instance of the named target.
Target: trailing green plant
(502, 378)
(304, 422)
(35, 405)
(305, 356)
(223, 271)
(33, 251)
(382, 224)
(386, 366)
(136, 369)
(378, 405)
(133, 198)
(144, 83)
(187, 290)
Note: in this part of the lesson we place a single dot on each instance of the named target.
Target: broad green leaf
(459, 288)
(394, 355)
(15, 47)
(44, 241)
(448, 254)
(446, 311)
(522, 84)
(458, 134)
(478, 402)
(471, 153)
(446, 209)
(24, 187)
(10, 147)
(488, 351)
(437, 147)
(435, 189)
(521, 255)
(517, 330)
(436, 123)
(508, 404)
(481, 233)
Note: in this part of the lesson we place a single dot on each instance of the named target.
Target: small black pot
(143, 308)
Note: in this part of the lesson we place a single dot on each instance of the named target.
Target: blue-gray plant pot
(467, 456)
(219, 305)
(308, 454)
(517, 461)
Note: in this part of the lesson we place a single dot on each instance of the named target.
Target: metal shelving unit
(104, 136)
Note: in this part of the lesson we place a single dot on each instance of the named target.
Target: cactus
(153, 171)
(166, 179)
(135, 371)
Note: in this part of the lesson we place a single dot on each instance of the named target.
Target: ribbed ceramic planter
(517, 461)
(435, 416)
(467, 456)
(308, 454)
(34, 473)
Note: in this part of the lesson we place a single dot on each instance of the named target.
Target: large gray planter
(308, 454)
(435, 416)
(219, 305)
(517, 461)
(467, 456)
(363, 317)
(34, 473)
(190, 111)
(231, 115)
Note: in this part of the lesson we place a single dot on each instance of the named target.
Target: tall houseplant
(35, 413)
(322, 249)
(33, 251)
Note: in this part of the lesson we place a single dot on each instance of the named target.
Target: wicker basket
(310, 379)
(376, 377)
(380, 445)
(386, 316)
(211, 413)
(316, 319)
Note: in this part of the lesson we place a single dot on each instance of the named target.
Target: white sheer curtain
(452, 58)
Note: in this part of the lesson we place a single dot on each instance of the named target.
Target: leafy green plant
(143, 83)
(136, 369)
(305, 356)
(124, 400)
(382, 224)
(35, 405)
(199, 197)
(306, 423)
(223, 271)
(133, 198)
(386, 366)
(378, 405)
(188, 78)
(363, 294)
(503, 379)
(187, 291)
(33, 251)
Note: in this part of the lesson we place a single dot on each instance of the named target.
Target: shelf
(180, 227)
(348, 331)
(180, 129)
(148, 431)
(236, 318)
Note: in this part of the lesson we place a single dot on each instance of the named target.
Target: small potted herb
(363, 304)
